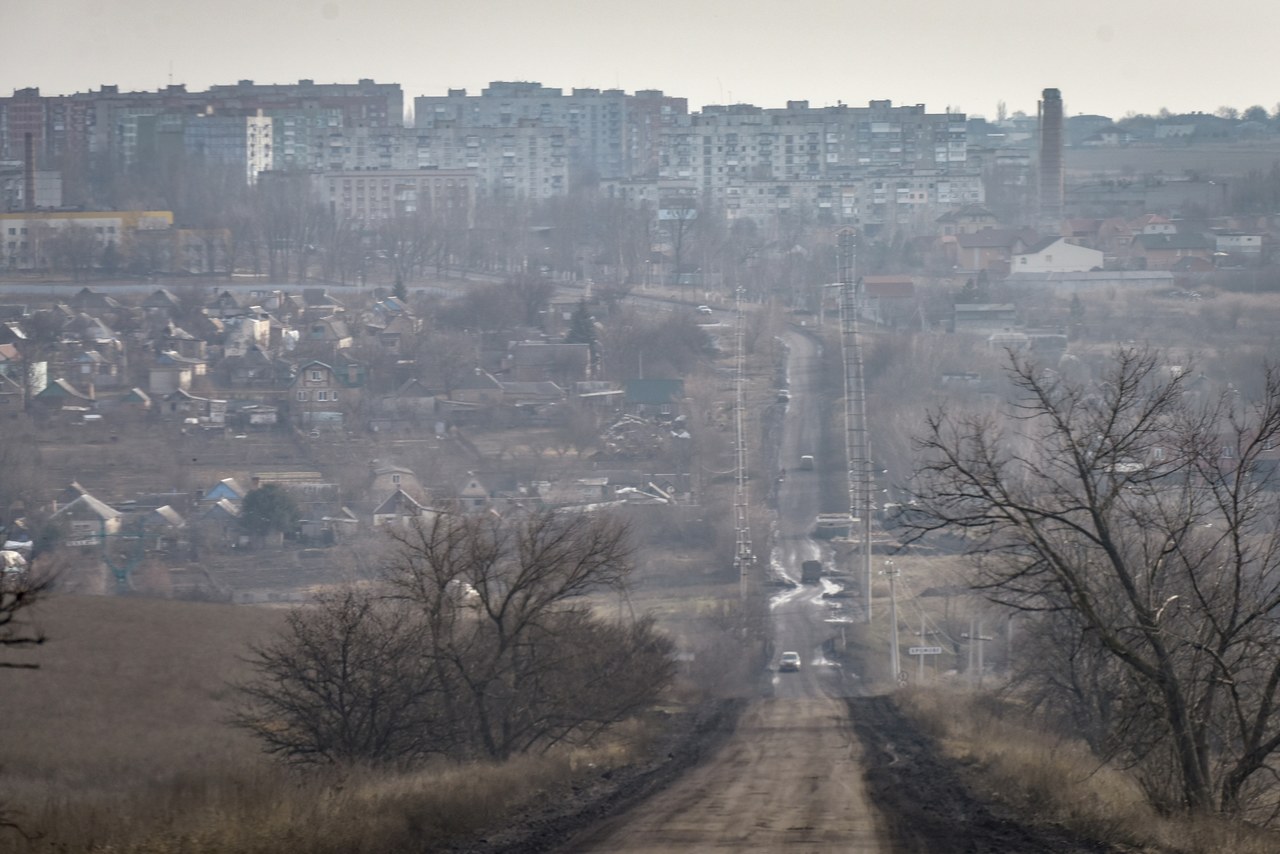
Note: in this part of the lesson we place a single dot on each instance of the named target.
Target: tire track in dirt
(924, 800)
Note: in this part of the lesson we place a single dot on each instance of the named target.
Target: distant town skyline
(1106, 58)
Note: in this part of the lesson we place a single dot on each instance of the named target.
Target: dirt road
(789, 779)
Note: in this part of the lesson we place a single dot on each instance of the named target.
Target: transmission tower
(857, 446)
(744, 558)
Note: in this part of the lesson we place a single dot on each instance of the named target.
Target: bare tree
(481, 642)
(678, 217)
(20, 588)
(636, 345)
(344, 682)
(1145, 524)
(446, 359)
(73, 248)
(526, 663)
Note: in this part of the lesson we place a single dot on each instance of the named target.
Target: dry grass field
(1056, 779)
(118, 743)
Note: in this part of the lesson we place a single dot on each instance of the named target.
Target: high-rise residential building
(607, 133)
(875, 165)
(369, 196)
(242, 142)
(67, 129)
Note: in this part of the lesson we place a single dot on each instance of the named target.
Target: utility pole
(920, 675)
(976, 639)
(894, 663)
(857, 444)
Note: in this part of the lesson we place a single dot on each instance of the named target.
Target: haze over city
(584, 427)
(1107, 58)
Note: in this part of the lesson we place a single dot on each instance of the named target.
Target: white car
(789, 663)
(704, 309)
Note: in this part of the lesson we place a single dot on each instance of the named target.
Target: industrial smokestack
(28, 172)
(1052, 169)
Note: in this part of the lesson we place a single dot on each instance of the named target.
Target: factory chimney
(1052, 169)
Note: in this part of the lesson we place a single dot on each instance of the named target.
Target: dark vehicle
(810, 571)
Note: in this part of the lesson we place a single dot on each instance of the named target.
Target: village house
(969, 219)
(170, 372)
(386, 478)
(563, 364)
(410, 408)
(991, 249)
(88, 520)
(228, 488)
(89, 300)
(162, 301)
(62, 395)
(255, 369)
(472, 494)
(659, 398)
(1163, 251)
(1056, 255)
(227, 304)
(890, 300)
(91, 367)
(319, 395)
(400, 509)
(181, 404)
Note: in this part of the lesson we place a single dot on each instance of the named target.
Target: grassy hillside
(127, 689)
(117, 743)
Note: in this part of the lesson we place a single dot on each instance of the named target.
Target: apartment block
(370, 195)
(607, 133)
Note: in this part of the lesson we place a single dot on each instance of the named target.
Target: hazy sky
(1107, 56)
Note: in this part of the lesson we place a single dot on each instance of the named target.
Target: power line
(857, 442)
(744, 557)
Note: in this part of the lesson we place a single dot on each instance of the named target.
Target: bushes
(478, 644)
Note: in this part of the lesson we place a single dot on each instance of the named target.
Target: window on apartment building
(316, 376)
(301, 395)
(322, 395)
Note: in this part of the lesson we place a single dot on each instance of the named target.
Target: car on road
(789, 663)
(704, 309)
(783, 395)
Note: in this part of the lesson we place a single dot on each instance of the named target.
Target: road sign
(924, 650)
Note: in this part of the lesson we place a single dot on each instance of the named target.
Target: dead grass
(118, 744)
(1057, 779)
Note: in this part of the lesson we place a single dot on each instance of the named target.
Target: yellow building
(29, 238)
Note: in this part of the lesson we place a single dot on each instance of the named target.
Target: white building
(1056, 255)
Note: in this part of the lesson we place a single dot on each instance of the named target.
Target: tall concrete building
(369, 196)
(241, 142)
(607, 133)
(872, 166)
(123, 126)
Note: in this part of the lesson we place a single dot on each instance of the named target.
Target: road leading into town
(790, 777)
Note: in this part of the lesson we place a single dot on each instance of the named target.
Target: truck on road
(810, 572)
